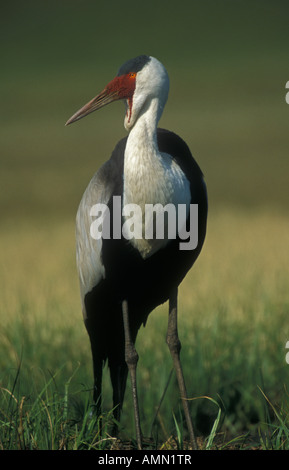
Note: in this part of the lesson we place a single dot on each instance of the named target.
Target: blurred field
(228, 65)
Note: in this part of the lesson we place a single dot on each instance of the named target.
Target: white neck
(142, 157)
(150, 177)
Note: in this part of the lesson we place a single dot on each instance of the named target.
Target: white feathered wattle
(150, 177)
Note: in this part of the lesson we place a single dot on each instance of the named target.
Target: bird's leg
(174, 345)
(118, 375)
(97, 366)
(131, 358)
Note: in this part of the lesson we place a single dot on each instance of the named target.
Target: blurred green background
(228, 65)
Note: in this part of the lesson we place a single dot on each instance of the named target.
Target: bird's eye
(132, 75)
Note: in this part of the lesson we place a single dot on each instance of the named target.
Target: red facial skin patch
(124, 87)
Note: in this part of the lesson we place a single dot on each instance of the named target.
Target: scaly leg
(174, 345)
(131, 358)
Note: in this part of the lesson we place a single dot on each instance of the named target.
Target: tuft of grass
(50, 420)
(179, 432)
(211, 437)
(277, 435)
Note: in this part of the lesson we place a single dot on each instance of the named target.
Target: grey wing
(88, 249)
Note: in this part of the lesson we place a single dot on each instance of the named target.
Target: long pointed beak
(104, 98)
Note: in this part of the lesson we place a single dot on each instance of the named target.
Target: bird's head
(138, 82)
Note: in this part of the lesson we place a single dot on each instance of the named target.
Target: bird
(123, 277)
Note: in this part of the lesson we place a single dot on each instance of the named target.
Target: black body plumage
(144, 283)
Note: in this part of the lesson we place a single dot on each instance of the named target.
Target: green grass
(232, 323)
(228, 65)
(48, 421)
